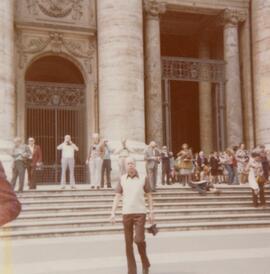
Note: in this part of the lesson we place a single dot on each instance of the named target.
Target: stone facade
(117, 47)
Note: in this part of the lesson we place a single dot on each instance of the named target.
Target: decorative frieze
(56, 43)
(56, 8)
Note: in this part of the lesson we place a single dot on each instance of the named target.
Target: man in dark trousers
(166, 165)
(132, 188)
(20, 154)
(34, 162)
(106, 165)
(10, 207)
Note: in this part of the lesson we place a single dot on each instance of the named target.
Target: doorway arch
(55, 103)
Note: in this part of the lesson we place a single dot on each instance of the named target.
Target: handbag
(261, 180)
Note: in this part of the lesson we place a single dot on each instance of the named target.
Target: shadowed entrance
(55, 106)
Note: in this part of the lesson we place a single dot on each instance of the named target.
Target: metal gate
(195, 70)
(52, 111)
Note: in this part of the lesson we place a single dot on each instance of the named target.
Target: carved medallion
(56, 8)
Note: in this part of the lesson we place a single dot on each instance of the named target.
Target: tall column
(7, 84)
(246, 59)
(121, 71)
(205, 101)
(234, 121)
(261, 57)
(154, 109)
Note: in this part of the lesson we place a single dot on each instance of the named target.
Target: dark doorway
(185, 127)
(55, 107)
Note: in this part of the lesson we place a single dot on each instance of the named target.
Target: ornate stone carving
(56, 43)
(56, 8)
(44, 94)
(192, 69)
(154, 8)
(233, 17)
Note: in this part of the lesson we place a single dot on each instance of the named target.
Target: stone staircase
(55, 213)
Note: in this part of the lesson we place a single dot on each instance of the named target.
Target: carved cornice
(231, 17)
(56, 43)
(56, 8)
(154, 8)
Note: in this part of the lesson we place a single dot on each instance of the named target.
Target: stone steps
(53, 213)
(104, 222)
(157, 200)
(58, 232)
(29, 216)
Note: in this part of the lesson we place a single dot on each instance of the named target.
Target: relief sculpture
(56, 8)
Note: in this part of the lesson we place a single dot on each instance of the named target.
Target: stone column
(205, 100)
(234, 121)
(121, 71)
(245, 61)
(7, 83)
(261, 57)
(154, 109)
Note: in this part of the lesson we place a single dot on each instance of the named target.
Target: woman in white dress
(255, 179)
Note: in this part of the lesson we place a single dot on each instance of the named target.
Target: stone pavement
(245, 251)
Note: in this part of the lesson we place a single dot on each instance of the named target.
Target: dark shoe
(146, 270)
(109, 186)
(92, 187)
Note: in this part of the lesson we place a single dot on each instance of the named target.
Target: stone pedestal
(205, 101)
(7, 86)
(154, 120)
(261, 57)
(234, 120)
(121, 70)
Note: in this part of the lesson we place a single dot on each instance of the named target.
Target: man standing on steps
(132, 187)
(151, 157)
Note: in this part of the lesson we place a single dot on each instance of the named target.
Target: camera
(152, 229)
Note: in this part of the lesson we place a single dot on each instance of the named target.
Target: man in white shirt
(68, 151)
(132, 188)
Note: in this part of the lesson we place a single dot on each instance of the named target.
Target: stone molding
(56, 43)
(232, 17)
(154, 8)
(56, 8)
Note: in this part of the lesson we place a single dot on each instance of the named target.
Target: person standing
(34, 162)
(124, 153)
(20, 154)
(228, 161)
(265, 162)
(151, 157)
(256, 179)
(242, 158)
(186, 166)
(106, 165)
(201, 163)
(132, 189)
(165, 157)
(67, 161)
(95, 160)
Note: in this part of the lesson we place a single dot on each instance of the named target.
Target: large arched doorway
(55, 106)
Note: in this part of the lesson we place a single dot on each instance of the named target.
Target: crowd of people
(203, 172)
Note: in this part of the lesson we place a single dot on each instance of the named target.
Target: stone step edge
(157, 211)
(155, 199)
(119, 220)
(156, 204)
(116, 228)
